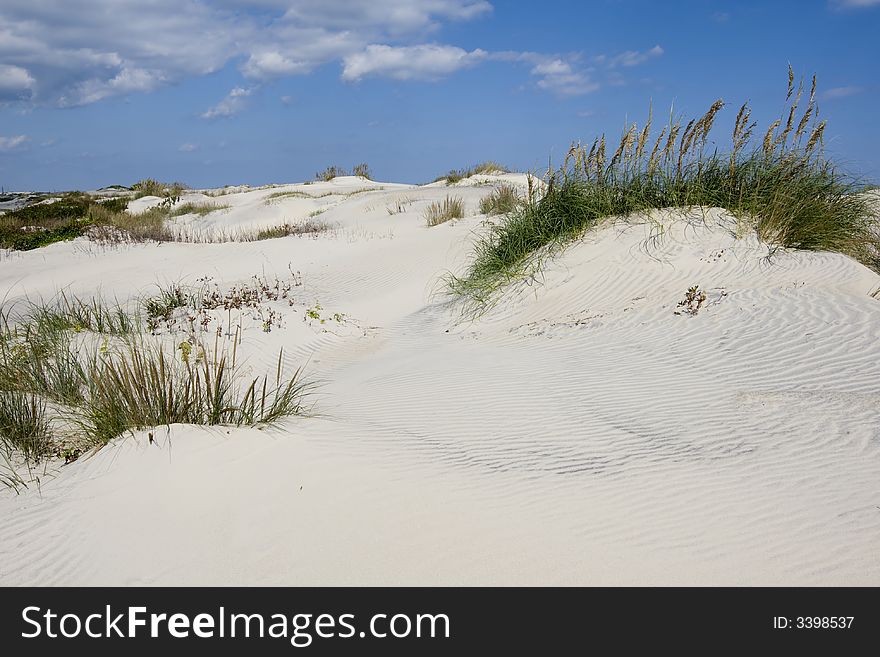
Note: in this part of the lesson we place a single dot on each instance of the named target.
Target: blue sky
(215, 92)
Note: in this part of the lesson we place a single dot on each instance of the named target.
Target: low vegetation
(452, 207)
(362, 170)
(780, 186)
(503, 200)
(310, 228)
(151, 187)
(485, 168)
(200, 209)
(75, 374)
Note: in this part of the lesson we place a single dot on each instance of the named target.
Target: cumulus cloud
(16, 83)
(561, 78)
(74, 52)
(188, 148)
(229, 106)
(10, 143)
(409, 62)
(394, 16)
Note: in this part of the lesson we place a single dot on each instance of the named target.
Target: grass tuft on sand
(75, 374)
(452, 207)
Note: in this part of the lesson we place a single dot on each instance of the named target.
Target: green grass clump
(118, 226)
(200, 209)
(362, 170)
(91, 367)
(152, 187)
(503, 200)
(114, 204)
(781, 187)
(330, 173)
(24, 428)
(485, 168)
(143, 386)
(308, 227)
(437, 213)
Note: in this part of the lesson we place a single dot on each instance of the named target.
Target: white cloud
(9, 143)
(394, 16)
(74, 52)
(428, 61)
(631, 57)
(188, 148)
(16, 83)
(229, 106)
(841, 92)
(856, 4)
(561, 78)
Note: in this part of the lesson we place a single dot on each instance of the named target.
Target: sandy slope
(579, 432)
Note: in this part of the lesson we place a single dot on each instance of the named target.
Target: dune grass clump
(24, 427)
(143, 386)
(76, 372)
(108, 225)
(503, 200)
(310, 228)
(152, 187)
(330, 173)
(780, 187)
(362, 170)
(484, 168)
(452, 207)
(200, 209)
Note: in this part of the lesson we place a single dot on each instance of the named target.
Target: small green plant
(437, 213)
(693, 300)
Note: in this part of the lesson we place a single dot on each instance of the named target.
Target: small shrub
(437, 213)
(693, 300)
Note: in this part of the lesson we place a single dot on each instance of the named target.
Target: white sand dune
(578, 432)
